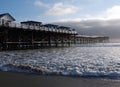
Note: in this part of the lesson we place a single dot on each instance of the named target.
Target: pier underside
(18, 38)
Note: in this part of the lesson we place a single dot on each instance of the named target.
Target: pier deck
(19, 38)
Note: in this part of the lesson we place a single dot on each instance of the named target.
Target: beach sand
(10, 79)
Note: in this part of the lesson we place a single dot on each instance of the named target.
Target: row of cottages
(6, 19)
(46, 27)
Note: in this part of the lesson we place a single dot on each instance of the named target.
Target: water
(94, 61)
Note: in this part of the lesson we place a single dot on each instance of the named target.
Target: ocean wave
(18, 68)
(68, 72)
(73, 61)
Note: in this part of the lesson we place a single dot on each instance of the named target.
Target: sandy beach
(9, 79)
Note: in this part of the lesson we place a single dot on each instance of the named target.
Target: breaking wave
(64, 72)
(73, 61)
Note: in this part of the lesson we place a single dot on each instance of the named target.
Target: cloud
(61, 9)
(108, 14)
(38, 3)
(109, 28)
(112, 13)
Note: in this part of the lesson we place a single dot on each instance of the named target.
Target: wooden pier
(18, 38)
(35, 35)
(84, 39)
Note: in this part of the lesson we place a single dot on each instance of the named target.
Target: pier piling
(19, 38)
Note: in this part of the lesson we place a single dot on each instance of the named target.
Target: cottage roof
(63, 27)
(50, 25)
(1, 15)
(73, 30)
(35, 22)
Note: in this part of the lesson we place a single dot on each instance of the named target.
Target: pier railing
(42, 28)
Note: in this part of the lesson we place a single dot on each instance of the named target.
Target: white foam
(81, 61)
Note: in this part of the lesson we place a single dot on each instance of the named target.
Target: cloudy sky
(92, 17)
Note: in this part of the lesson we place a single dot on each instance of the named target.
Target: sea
(101, 60)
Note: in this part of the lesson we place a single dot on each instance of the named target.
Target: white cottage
(6, 19)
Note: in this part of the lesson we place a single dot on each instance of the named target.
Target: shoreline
(13, 79)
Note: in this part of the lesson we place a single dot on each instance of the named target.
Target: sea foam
(72, 61)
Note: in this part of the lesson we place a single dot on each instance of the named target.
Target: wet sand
(9, 79)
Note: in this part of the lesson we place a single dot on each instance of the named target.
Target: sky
(92, 17)
(61, 10)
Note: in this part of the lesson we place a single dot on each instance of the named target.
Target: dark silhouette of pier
(35, 35)
(14, 38)
(19, 38)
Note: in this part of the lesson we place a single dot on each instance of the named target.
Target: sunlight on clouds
(108, 14)
(69, 19)
(61, 9)
(113, 13)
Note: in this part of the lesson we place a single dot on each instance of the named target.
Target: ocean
(95, 60)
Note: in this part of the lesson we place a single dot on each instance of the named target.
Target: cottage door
(3, 22)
